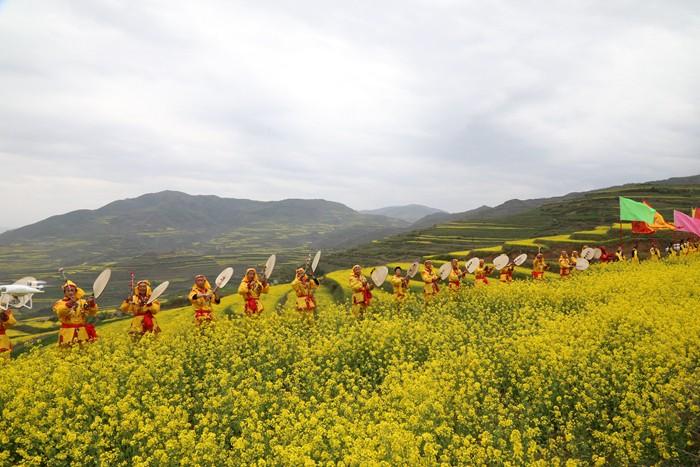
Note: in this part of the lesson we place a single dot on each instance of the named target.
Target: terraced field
(592, 216)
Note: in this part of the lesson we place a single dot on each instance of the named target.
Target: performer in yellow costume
(144, 320)
(539, 266)
(251, 288)
(455, 277)
(400, 284)
(481, 274)
(572, 261)
(202, 297)
(304, 288)
(654, 252)
(619, 254)
(430, 281)
(361, 292)
(505, 275)
(635, 254)
(7, 320)
(564, 265)
(72, 311)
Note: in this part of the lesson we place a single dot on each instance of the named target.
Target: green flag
(634, 211)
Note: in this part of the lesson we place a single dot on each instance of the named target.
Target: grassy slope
(519, 232)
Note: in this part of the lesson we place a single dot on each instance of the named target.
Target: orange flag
(659, 224)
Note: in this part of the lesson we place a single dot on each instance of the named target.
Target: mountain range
(409, 213)
(172, 235)
(516, 224)
(172, 220)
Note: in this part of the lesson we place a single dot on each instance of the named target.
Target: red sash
(482, 278)
(251, 305)
(147, 323)
(91, 332)
(310, 300)
(367, 296)
(89, 329)
(456, 283)
(206, 314)
(537, 274)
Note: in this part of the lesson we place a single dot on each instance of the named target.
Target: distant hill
(692, 180)
(517, 206)
(409, 213)
(169, 220)
(492, 227)
(508, 208)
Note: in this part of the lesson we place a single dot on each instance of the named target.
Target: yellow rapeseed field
(603, 368)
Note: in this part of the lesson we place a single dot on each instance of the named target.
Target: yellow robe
(572, 261)
(305, 293)
(361, 295)
(481, 275)
(539, 266)
(8, 320)
(635, 256)
(655, 254)
(139, 311)
(454, 280)
(620, 256)
(203, 307)
(73, 321)
(506, 274)
(251, 292)
(400, 289)
(430, 280)
(564, 266)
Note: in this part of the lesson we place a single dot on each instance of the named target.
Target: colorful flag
(633, 211)
(640, 227)
(685, 223)
(660, 223)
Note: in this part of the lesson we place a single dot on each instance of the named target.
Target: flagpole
(620, 231)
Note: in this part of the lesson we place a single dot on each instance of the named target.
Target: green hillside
(194, 236)
(503, 230)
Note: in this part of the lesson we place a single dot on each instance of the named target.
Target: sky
(452, 104)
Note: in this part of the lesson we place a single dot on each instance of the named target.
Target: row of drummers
(453, 274)
(76, 309)
(450, 272)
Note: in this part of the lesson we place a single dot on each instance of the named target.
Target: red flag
(640, 227)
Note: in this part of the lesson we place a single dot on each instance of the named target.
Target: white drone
(19, 294)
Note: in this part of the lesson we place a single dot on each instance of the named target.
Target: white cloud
(452, 104)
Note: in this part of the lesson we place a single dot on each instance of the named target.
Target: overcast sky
(453, 104)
